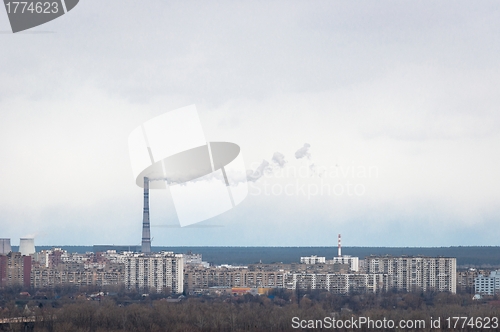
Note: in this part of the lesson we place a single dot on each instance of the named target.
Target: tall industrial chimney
(27, 246)
(146, 234)
(5, 247)
(340, 246)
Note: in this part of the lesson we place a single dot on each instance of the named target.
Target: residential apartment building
(488, 285)
(408, 273)
(15, 270)
(198, 277)
(352, 262)
(156, 271)
(312, 260)
(343, 283)
(465, 280)
(75, 274)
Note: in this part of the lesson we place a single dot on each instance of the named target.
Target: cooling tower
(5, 246)
(27, 246)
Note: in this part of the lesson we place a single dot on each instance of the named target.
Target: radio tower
(340, 246)
(146, 234)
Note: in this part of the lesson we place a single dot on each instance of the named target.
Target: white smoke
(317, 170)
(277, 162)
(303, 152)
(279, 159)
(259, 171)
(30, 236)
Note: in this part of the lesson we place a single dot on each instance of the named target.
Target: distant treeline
(469, 256)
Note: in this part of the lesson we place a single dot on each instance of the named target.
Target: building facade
(488, 285)
(465, 280)
(156, 271)
(15, 270)
(75, 274)
(352, 262)
(312, 260)
(343, 283)
(410, 274)
(199, 278)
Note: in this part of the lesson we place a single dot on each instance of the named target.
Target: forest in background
(466, 256)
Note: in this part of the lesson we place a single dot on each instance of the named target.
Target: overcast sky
(397, 99)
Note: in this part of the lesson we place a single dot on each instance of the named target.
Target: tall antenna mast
(340, 246)
(146, 231)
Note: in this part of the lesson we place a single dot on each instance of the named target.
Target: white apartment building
(312, 260)
(353, 262)
(337, 283)
(488, 285)
(159, 271)
(409, 273)
(115, 257)
(193, 259)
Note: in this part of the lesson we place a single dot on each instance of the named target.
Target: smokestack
(146, 234)
(340, 246)
(5, 247)
(27, 246)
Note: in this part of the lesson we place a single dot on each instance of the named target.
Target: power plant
(5, 247)
(27, 246)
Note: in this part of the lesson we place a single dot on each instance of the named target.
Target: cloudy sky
(398, 102)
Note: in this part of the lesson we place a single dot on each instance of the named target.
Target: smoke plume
(303, 152)
(259, 171)
(279, 159)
